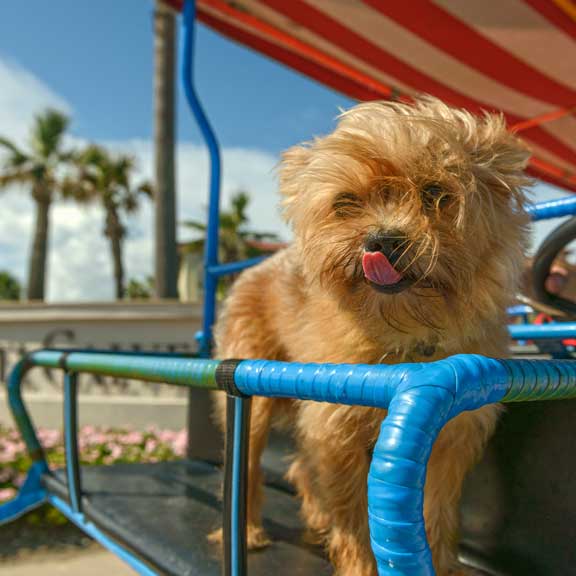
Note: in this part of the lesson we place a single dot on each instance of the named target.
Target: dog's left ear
(292, 170)
(500, 158)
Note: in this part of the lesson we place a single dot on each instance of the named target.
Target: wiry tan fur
(311, 303)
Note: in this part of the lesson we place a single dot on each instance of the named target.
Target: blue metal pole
(21, 416)
(92, 530)
(555, 331)
(233, 267)
(520, 310)
(71, 440)
(552, 209)
(211, 246)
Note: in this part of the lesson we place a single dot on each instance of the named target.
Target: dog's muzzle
(382, 254)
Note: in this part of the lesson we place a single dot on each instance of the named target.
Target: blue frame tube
(71, 440)
(552, 209)
(212, 231)
(89, 528)
(235, 479)
(233, 267)
(520, 310)
(553, 331)
(21, 416)
(420, 398)
(30, 496)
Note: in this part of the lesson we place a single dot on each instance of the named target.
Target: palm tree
(38, 168)
(237, 241)
(106, 179)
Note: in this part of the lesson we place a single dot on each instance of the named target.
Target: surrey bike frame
(420, 399)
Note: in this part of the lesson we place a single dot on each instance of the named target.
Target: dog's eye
(346, 204)
(434, 195)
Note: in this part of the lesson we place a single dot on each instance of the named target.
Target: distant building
(190, 275)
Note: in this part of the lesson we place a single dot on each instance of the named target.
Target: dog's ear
(292, 168)
(500, 157)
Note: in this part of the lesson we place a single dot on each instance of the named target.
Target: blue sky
(94, 60)
(98, 56)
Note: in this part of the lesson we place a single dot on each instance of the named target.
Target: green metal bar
(21, 416)
(195, 372)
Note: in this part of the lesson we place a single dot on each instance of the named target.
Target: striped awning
(514, 56)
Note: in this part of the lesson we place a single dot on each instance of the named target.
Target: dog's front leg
(335, 447)
(457, 448)
(262, 411)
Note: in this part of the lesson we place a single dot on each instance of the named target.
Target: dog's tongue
(378, 269)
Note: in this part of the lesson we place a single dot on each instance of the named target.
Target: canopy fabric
(513, 56)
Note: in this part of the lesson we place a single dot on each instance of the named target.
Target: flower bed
(96, 446)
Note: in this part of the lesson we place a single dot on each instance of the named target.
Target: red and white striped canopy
(515, 56)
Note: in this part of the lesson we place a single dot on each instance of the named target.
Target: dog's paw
(256, 538)
(216, 537)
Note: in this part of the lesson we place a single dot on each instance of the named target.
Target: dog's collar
(422, 351)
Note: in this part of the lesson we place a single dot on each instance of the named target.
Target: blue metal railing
(211, 245)
(420, 399)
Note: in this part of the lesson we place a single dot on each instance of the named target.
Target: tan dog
(409, 239)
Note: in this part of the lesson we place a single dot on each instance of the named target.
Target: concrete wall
(153, 325)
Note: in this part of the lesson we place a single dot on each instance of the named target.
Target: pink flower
(115, 451)
(132, 437)
(8, 452)
(7, 494)
(49, 438)
(167, 436)
(180, 443)
(151, 445)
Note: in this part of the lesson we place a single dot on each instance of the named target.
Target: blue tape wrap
(420, 399)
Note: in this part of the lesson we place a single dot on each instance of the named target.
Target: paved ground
(91, 562)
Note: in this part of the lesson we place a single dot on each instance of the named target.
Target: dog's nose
(388, 242)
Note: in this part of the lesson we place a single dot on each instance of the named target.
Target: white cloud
(79, 266)
(22, 95)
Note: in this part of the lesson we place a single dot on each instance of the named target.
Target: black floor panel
(163, 513)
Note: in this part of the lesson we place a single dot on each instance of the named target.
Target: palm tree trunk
(164, 128)
(116, 245)
(38, 256)
(115, 233)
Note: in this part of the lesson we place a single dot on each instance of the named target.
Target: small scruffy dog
(409, 241)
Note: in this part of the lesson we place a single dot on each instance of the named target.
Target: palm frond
(146, 189)
(15, 177)
(17, 156)
(195, 225)
(48, 132)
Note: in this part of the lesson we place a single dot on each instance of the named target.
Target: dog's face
(403, 202)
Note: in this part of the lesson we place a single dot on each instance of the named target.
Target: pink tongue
(378, 269)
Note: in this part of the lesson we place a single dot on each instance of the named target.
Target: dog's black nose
(388, 242)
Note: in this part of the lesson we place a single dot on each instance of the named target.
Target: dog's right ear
(292, 169)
